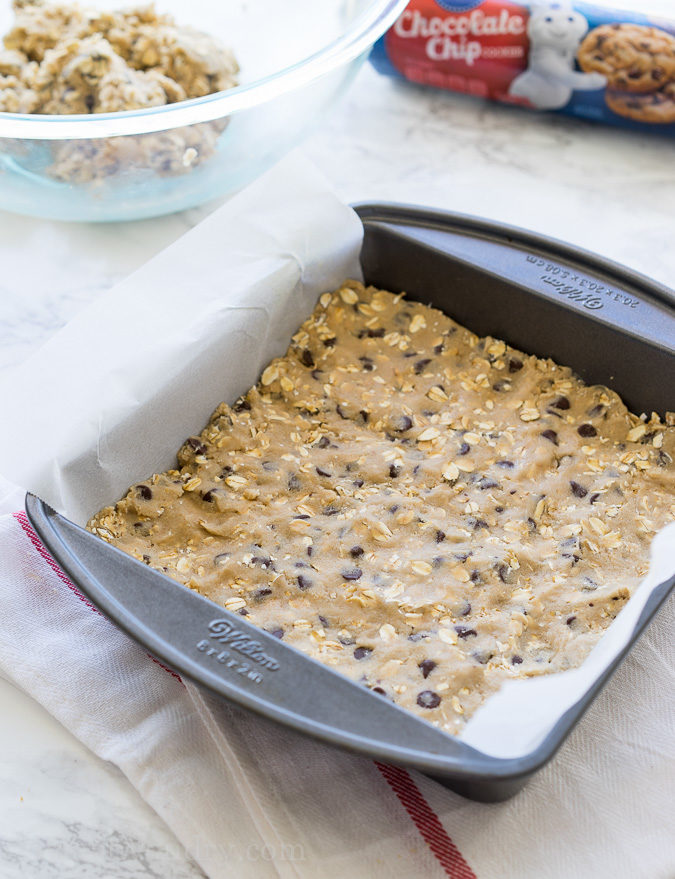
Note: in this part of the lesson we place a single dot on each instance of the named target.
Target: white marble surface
(65, 813)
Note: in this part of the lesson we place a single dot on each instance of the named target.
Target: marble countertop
(64, 812)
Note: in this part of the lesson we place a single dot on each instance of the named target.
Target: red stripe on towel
(22, 519)
(427, 822)
(423, 816)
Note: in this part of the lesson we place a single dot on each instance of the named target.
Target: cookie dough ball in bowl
(109, 114)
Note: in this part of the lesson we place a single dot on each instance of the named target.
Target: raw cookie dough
(428, 512)
(634, 58)
(64, 59)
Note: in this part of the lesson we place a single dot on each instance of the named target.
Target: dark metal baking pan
(611, 325)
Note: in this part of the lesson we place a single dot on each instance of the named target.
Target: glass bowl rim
(361, 34)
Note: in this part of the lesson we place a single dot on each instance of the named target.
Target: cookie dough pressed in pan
(428, 512)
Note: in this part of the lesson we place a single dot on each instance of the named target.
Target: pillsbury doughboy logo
(459, 5)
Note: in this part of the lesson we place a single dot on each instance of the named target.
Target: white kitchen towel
(250, 799)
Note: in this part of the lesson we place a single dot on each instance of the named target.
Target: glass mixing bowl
(296, 57)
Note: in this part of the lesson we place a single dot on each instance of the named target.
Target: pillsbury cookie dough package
(580, 59)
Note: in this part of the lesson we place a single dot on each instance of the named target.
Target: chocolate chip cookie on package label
(655, 107)
(634, 58)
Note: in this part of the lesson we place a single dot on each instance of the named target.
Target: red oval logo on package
(472, 47)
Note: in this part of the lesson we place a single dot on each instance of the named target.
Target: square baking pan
(611, 325)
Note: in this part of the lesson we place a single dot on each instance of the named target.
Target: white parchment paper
(111, 397)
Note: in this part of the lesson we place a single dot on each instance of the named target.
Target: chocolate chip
(341, 412)
(322, 472)
(146, 559)
(276, 633)
(464, 449)
(421, 365)
(259, 594)
(440, 536)
(365, 416)
(402, 423)
(578, 490)
(501, 385)
(561, 403)
(465, 632)
(438, 349)
(570, 620)
(586, 430)
(516, 660)
(376, 333)
(352, 573)
(242, 405)
(358, 483)
(368, 365)
(294, 482)
(487, 483)
(208, 496)
(329, 343)
(301, 516)
(304, 582)
(378, 690)
(499, 509)
(466, 609)
(428, 699)
(356, 551)
(416, 636)
(324, 622)
(196, 445)
(394, 471)
(144, 492)
(508, 465)
(596, 410)
(362, 652)
(262, 561)
(593, 498)
(515, 365)
(323, 443)
(306, 358)
(426, 667)
(551, 436)
(477, 524)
